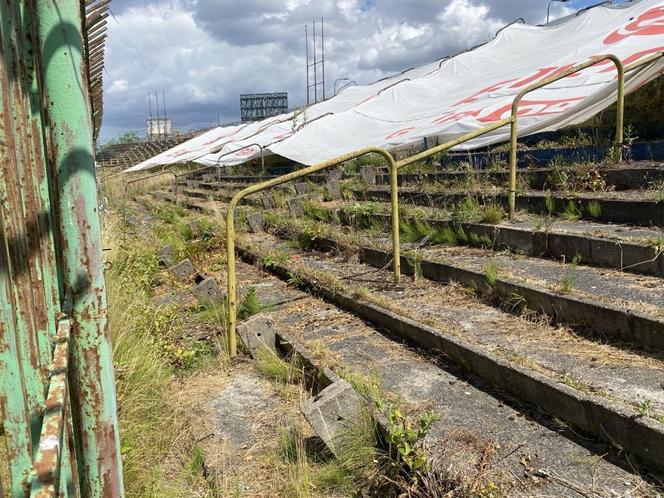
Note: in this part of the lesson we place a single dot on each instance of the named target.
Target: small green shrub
(250, 305)
(493, 214)
(571, 212)
(491, 273)
(594, 209)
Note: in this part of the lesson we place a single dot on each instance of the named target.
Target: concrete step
(618, 307)
(562, 374)
(636, 207)
(626, 176)
(626, 248)
(536, 453)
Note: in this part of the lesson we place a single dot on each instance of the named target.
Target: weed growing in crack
(644, 407)
(275, 258)
(549, 204)
(415, 260)
(571, 212)
(567, 281)
(250, 305)
(594, 209)
(467, 210)
(275, 368)
(492, 214)
(491, 273)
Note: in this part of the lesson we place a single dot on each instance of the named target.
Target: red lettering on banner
(532, 108)
(247, 151)
(649, 23)
(283, 135)
(400, 133)
(492, 88)
(545, 72)
(180, 153)
(455, 116)
(633, 58)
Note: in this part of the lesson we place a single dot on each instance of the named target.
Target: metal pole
(315, 66)
(306, 44)
(511, 194)
(156, 101)
(163, 98)
(150, 118)
(322, 43)
(230, 225)
(94, 408)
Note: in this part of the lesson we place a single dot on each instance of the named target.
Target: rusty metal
(45, 476)
(73, 122)
(41, 167)
(94, 14)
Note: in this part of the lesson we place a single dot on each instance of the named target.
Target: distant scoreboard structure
(257, 106)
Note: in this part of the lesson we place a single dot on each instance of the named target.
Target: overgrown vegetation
(148, 353)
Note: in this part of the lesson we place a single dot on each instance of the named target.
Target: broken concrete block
(255, 221)
(184, 270)
(336, 174)
(267, 202)
(257, 332)
(368, 174)
(192, 227)
(208, 292)
(333, 411)
(302, 188)
(333, 190)
(166, 255)
(295, 207)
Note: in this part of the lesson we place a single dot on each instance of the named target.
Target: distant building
(257, 106)
(158, 128)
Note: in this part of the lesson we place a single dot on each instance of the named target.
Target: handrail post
(230, 225)
(511, 193)
(547, 81)
(394, 206)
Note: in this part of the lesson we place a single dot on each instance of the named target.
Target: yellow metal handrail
(547, 81)
(230, 224)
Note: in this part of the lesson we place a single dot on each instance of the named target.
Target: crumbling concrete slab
(255, 221)
(302, 188)
(267, 202)
(184, 270)
(334, 411)
(167, 255)
(208, 292)
(333, 190)
(336, 173)
(295, 207)
(368, 174)
(257, 332)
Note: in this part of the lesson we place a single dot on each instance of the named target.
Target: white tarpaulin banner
(446, 99)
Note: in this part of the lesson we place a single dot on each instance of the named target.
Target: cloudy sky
(205, 53)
